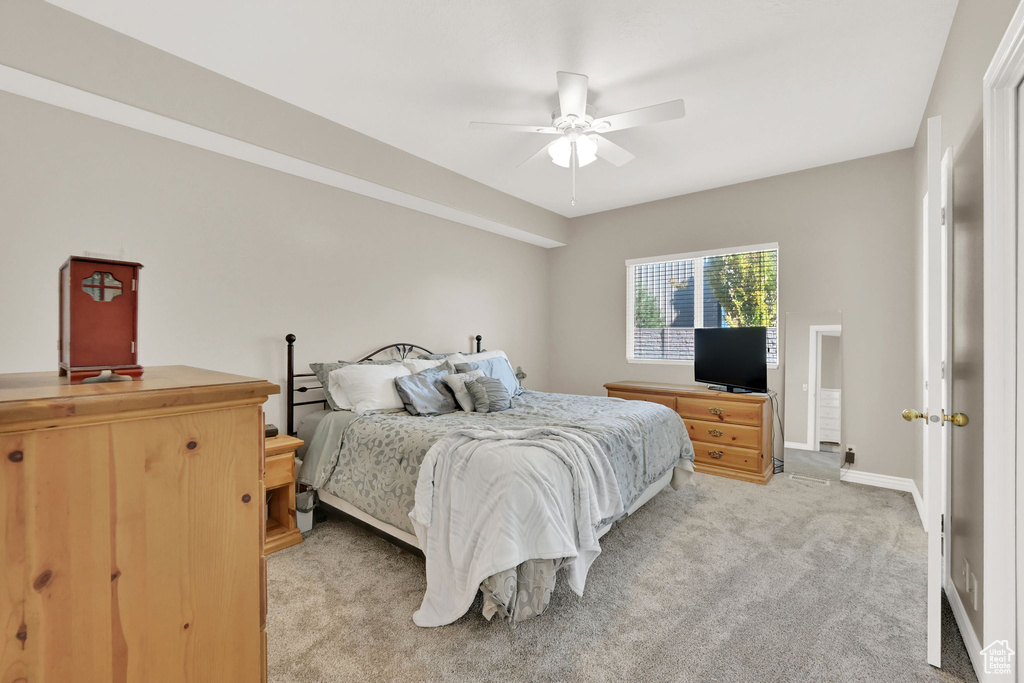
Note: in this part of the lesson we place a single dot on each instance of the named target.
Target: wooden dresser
(133, 528)
(731, 433)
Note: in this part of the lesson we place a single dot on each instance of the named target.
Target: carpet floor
(720, 581)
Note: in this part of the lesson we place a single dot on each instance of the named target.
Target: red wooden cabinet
(99, 316)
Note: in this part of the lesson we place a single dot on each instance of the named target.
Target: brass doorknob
(958, 419)
(910, 415)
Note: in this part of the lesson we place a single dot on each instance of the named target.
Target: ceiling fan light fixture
(561, 151)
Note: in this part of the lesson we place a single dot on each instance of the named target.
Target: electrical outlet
(974, 590)
(850, 455)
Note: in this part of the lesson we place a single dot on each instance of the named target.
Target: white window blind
(669, 296)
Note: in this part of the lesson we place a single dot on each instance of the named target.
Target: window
(102, 286)
(668, 296)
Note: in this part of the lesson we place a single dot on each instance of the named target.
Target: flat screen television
(731, 357)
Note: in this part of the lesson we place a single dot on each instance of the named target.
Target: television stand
(731, 433)
(731, 390)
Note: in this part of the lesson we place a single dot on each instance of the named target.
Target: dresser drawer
(279, 470)
(732, 457)
(669, 401)
(712, 409)
(724, 433)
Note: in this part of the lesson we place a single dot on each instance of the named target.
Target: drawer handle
(716, 454)
(715, 432)
(715, 411)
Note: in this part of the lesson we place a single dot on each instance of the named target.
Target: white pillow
(457, 382)
(473, 357)
(419, 365)
(370, 387)
(337, 393)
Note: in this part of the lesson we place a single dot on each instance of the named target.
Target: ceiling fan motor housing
(564, 123)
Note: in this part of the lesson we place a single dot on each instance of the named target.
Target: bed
(537, 464)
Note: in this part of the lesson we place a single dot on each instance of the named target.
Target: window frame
(698, 295)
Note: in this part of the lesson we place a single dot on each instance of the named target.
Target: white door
(936, 355)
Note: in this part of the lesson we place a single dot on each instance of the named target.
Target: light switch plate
(974, 590)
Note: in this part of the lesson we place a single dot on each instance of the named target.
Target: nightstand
(279, 479)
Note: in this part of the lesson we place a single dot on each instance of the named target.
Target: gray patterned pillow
(323, 371)
(425, 393)
(435, 356)
(489, 394)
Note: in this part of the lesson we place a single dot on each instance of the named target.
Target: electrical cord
(844, 468)
(778, 464)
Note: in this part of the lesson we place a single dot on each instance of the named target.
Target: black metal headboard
(401, 349)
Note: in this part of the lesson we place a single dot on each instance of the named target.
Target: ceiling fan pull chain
(573, 164)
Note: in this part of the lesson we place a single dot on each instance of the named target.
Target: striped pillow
(489, 394)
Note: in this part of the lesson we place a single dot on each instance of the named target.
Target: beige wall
(50, 42)
(174, 208)
(845, 235)
(237, 255)
(956, 96)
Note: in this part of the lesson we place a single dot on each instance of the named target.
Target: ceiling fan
(578, 129)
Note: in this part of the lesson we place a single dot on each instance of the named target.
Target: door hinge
(943, 215)
(943, 370)
(942, 522)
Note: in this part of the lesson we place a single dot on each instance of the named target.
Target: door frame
(823, 331)
(935, 452)
(1003, 426)
(814, 379)
(947, 212)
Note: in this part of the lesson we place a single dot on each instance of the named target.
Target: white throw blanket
(488, 500)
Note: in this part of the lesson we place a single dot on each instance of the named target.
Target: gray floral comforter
(373, 461)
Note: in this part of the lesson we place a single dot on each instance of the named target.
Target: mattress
(373, 461)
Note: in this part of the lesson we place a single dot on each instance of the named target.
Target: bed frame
(300, 383)
(401, 349)
(350, 512)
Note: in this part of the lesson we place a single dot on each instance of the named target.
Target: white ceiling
(771, 86)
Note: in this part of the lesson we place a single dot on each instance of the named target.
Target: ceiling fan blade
(572, 94)
(666, 111)
(514, 128)
(612, 153)
(541, 153)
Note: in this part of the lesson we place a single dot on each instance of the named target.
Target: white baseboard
(885, 481)
(919, 503)
(966, 630)
(798, 446)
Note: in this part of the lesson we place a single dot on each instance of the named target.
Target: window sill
(660, 361)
